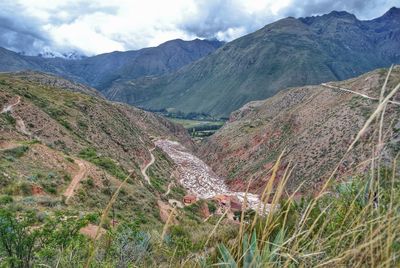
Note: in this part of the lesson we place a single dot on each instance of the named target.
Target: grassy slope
(66, 125)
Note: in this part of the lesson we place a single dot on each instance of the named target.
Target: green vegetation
(16, 152)
(198, 128)
(344, 228)
(197, 124)
(9, 118)
(28, 238)
(107, 163)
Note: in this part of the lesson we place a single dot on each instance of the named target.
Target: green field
(190, 124)
(198, 129)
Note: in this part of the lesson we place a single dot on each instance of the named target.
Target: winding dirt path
(9, 108)
(144, 169)
(169, 188)
(69, 192)
(356, 93)
(6, 145)
(19, 123)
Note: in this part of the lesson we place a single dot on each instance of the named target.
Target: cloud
(21, 32)
(96, 26)
(363, 9)
(229, 19)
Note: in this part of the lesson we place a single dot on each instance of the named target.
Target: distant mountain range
(214, 78)
(101, 70)
(290, 52)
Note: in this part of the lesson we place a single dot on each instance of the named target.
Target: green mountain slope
(289, 52)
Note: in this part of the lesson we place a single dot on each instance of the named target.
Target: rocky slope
(61, 148)
(289, 52)
(313, 124)
(101, 70)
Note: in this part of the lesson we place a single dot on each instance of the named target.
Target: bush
(24, 244)
(17, 152)
(9, 118)
(5, 199)
(106, 163)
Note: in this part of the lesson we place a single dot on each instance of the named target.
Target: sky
(92, 27)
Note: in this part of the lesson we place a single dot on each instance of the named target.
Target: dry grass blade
(377, 111)
(94, 245)
(167, 223)
(215, 228)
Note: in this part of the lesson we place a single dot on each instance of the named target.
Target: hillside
(58, 144)
(314, 125)
(290, 52)
(101, 70)
(65, 157)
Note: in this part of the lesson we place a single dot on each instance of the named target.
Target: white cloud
(97, 26)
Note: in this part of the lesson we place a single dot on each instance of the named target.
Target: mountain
(287, 53)
(101, 70)
(313, 125)
(63, 150)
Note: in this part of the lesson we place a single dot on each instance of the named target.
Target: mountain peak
(393, 12)
(332, 16)
(341, 14)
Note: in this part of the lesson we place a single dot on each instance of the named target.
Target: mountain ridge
(286, 53)
(101, 70)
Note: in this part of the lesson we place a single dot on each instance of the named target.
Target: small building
(189, 199)
(236, 206)
(223, 200)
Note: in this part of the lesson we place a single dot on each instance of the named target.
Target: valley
(278, 147)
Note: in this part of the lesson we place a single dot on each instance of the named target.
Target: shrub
(106, 163)
(9, 118)
(17, 152)
(5, 199)
(22, 244)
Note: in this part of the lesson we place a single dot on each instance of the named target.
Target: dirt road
(69, 192)
(356, 93)
(19, 123)
(9, 107)
(144, 169)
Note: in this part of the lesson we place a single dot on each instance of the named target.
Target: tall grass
(351, 224)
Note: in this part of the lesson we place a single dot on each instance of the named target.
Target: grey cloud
(23, 33)
(20, 31)
(363, 9)
(215, 16)
(222, 15)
